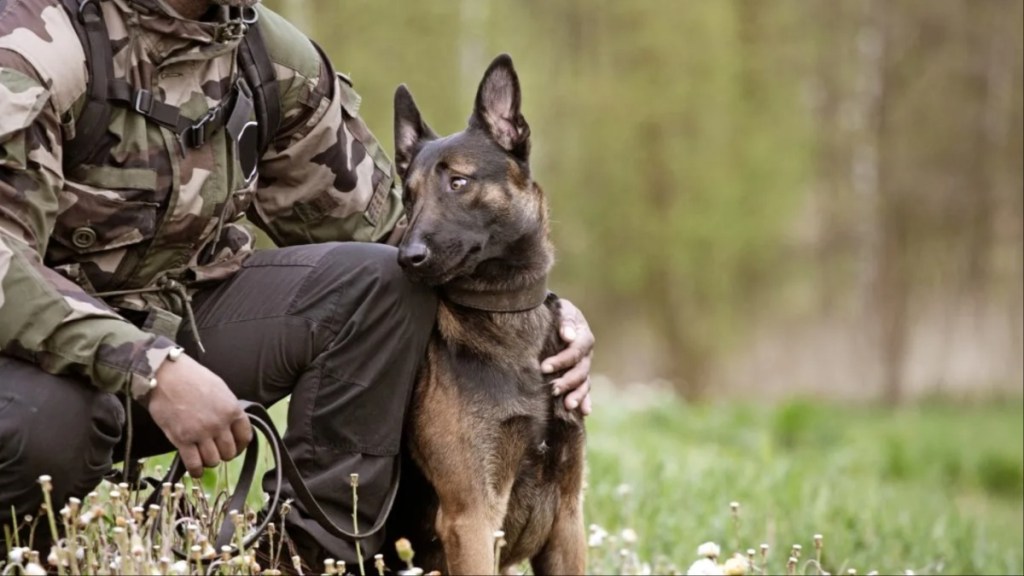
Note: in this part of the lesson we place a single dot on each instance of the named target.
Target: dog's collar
(522, 300)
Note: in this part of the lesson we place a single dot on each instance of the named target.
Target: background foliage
(792, 196)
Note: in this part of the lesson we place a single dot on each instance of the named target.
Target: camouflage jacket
(143, 210)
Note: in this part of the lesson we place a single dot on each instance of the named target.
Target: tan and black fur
(490, 448)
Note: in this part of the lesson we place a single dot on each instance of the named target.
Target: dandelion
(709, 550)
(378, 563)
(33, 569)
(704, 567)
(628, 536)
(597, 536)
(623, 490)
(735, 566)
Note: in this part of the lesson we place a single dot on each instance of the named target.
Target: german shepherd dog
(490, 448)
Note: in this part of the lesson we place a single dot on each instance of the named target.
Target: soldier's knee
(70, 439)
(382, 279)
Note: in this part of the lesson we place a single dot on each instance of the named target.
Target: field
(936, 488)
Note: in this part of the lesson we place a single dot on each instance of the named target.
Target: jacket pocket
(92, 219)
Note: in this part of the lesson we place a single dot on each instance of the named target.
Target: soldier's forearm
(48, 320)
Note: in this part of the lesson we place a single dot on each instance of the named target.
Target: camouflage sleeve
(45, 318)
(325, 176)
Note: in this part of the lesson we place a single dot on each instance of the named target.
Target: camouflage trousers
(336, 327)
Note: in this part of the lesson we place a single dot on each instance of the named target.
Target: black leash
(284, 467)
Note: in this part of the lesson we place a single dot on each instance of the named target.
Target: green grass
(935, 488)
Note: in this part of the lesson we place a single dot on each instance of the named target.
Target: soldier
(114, 256)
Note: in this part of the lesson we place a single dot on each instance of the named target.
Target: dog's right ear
(410, 130)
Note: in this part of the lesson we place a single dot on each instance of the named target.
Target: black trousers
(335, 326)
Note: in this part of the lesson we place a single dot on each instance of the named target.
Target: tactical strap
(191, 133)
(522, 300)
(92, 122)
(103, 90)
(258, 71)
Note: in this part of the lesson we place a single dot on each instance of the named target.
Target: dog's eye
(458, 182)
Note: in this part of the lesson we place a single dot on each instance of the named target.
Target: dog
(488, 447)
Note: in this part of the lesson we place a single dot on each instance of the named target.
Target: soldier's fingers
(241, 429)
(567, 358)
(586, 407)
(572, 379)
(226, 445)
(574, 325)
(574, 398)
(192, 460)
(209, 453)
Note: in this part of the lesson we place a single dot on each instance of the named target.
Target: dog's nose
(413, 255)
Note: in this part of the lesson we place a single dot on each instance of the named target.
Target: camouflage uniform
(143, 210)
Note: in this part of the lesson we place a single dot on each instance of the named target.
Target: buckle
(249, 15)
(143, 102)
(85, 18)
(195, 135)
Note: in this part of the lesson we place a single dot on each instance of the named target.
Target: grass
(937, 488)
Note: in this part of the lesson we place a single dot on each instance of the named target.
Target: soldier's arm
(325, 176)
(45, 318)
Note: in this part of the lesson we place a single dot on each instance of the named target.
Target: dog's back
(489, 447)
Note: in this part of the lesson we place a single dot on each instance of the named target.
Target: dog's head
(469, 197)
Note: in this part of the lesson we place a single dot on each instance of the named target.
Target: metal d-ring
(250, 15)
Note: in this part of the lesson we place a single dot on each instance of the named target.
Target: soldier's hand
(575, 331)
(198, 413)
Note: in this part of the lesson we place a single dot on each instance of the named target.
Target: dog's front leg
(565, 552)
(467, 534)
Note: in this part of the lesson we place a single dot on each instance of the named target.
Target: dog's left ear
(410, 130)
(497, 108)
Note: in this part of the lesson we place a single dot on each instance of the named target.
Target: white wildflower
(704, 567)
(16, 555)
(735, 566)
(33, 569)
(597, 536)
(709, 550)
(179, 568)
(623, 490)
(628, 536)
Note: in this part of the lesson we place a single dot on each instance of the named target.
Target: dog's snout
(413, 255)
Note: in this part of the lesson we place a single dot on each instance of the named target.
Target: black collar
(524, 299)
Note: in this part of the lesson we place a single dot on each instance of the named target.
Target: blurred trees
(721, 170)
